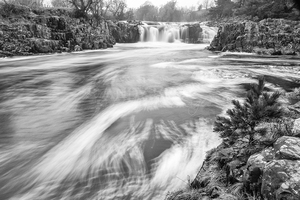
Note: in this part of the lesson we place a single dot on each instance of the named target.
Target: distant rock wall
(269, 36)
(51, 31)
(192, 33)
(125, 32)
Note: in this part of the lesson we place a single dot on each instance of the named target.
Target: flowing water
(132, 122)
(172, 32)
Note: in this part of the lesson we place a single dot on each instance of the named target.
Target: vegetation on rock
(239, 170)
(244, 118)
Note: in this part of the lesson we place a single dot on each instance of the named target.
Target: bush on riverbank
(245, 117)
(237, 170)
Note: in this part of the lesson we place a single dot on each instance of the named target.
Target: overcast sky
(137, 3)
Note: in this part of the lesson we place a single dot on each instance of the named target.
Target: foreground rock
(272, 173)
(269, 36)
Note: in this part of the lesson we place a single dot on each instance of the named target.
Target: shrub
(244, 118)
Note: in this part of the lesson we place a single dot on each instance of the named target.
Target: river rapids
(132, 122)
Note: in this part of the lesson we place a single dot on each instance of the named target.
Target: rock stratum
(25, 32)
(268, 36)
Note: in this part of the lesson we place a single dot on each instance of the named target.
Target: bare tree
(205, 4)
(29, 3)
(117, 8)
(82, 6)
(60, 3)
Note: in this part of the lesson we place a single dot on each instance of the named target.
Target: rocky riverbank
(269, 169)
(268, 36)
(26, 32)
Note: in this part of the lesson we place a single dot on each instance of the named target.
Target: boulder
(281, 180)
(287, 147)
(261, 159)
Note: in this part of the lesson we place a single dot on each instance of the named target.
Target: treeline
(259, 9)
(118, 9)
(171, 12)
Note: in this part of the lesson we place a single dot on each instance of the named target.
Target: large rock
(269, 36)
(287, 148)
(261, 159)
(281, 180)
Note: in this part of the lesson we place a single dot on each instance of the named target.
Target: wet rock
(287, 148)
(281, 180)
(77, 48)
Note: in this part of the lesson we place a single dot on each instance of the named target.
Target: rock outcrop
(192, 33)
(273, 173)
(125, 32)
(50, 31)
(25, 32)
(281, 169)
(269, 36)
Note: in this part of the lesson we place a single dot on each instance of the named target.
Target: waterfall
(208, 33)
(159, 32)
(175, 32)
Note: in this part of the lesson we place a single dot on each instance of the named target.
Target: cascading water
(208, 33)
(174, 32)
(159, 33)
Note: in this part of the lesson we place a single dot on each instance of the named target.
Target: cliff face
(26, 32)
(124, 32)
(269, 36)
(192, 33)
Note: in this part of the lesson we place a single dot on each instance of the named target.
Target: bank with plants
(259, 157)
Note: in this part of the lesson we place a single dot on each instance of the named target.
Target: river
(131, 122)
